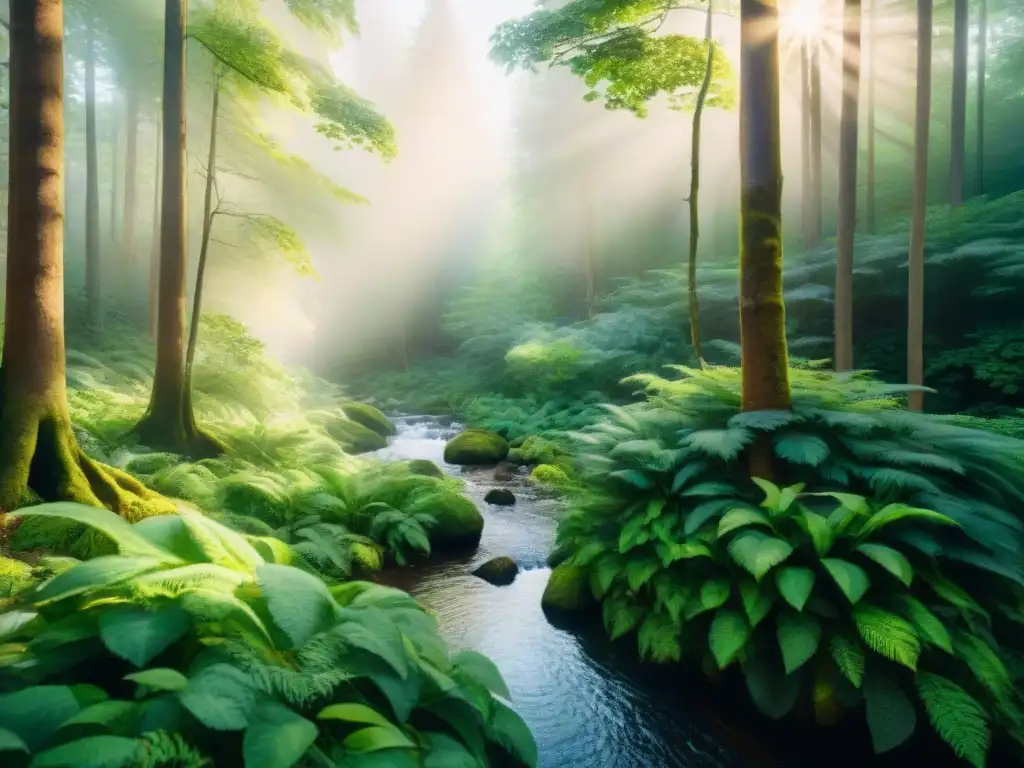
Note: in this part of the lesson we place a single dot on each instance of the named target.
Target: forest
(512, 384)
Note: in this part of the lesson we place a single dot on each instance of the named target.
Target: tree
(94, 306)
(922, 117)
(38, 450)
(806, 181)
(131, 160)
(982, 60)
(153, 301)
(763, 352)
(814, 96)
(869, 202)
(958, 112)
(115, 159)
(846, 221)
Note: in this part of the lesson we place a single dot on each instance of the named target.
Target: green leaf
(372, 629)
(798, 635)
(116, 528)
(704, 512)
(763, 421)
(633, 534)
(773, 691)
(35, 714)
(220, 697)
(633, 477)
(376, 738)
(670, 553)
(639, 572)
(852, 579)
(928, 626)
(11, 742)
(160, 679)
(276, 737)
(772, 492)
(710, 488)
(728, 635)
(483, 670)
(659, 639)
(620, 617)
(757, 602)
(891, 715)
(603, 575)
(718, 443)
(849, 658)
(795, 584)
(508, 729)
(788, 496)
(758, 552)
(850, 501)
(688, 473)
(91, 752)
(298, 602)
(893, 513)
(799, 448)
(139, 636)
(957, 717)
(355, 713)
(887, 634)
(985, 664)
(12, 621)
(714, 593)
(822, 534)
(107, 713)
(741, 518)
(99, 572)
(890, 559)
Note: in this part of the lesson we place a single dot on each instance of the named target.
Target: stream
(586, 701)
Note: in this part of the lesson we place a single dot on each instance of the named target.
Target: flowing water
(586, 701)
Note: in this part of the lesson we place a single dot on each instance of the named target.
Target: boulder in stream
(424, 467)
(370, 417)
(558, 556)
(459, 522)
(503, 472)
(500, 571)
(354, 437)
(500, 496)
(567, 589)
(476, 447)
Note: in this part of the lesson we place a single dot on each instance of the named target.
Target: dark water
(587, 704)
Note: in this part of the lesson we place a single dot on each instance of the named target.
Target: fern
(958, 718)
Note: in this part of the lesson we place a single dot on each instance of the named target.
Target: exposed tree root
(175, 430)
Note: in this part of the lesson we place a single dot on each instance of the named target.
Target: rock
(503, 472)
(424, 467)
(501, 497)
(500, 571)
(550, 476)
(559, 555)
(459, 522)
(475, 447)
(354, 437)
(370, 417)
(567, 589)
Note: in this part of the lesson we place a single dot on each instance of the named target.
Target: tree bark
(691, 271)
(154, 251)
(958, 113)
(815, 131)
(130, 172)
(805, 143)
(915, 292)
(115, 156)
(765, 363)
(93, 299)
(870, 202)
(169, 422)
(38, 449)
(846, 221)
(208, 214)
(982, 61)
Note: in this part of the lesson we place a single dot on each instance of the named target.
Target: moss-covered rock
(550, 476)
(424, 467)
(475, 447)
(567, 589)
(370, 417)
(500, 571)
(14, 576)
(459, 522)
(500, 496)
(354, 437)
(534, 450)
(558, 556)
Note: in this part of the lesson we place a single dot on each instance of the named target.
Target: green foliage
(187, 646)
(351, 121)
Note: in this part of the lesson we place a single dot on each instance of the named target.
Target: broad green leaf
(728, 634)
(798, 448)
(757, 600)
(891, 715)
(90, 752)
(620, 617)
(773, 691)
(221, 697)
(788, 496)
(714, 592)
(704, 512)
(758, 552)
(957, 717)
(13, 620)
(116, 528)
(99, 572)
(654, 509)
(718, 443)
(684, 550)
(852, 579)
(772, 492)
(11, 742)
(464, 720)
(659, 638)
(890, 559)
(710, 488)
(639, 572)
(35, 714)
(822, 534)
(856, 504)
(276, 737)
(741, 518)
(893, 513)
(887, 634)
(139, 636)
(688, 473)
(633, 534)
(849, 658)
(108, 713)
(298, 602)
(795, 584)
(798, 635)
(508, 729)
(984, 663)
(445, 752)
(928, 626)
(633, 477)
(483, 670)
(353, 712)
(160, 679)
(375, 738)
(371, 629)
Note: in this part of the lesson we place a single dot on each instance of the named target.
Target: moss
(500, 571)
(534, 450)
(476, 447)
(14, 576)
(370, 417)
(151, 463)
(567, 589)
(558, 556)
(424, 467)
(459, 522)
(550, 476)
(354, 437)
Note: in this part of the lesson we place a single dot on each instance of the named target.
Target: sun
(802, 18)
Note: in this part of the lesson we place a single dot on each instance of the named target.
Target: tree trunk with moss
(154, 251)
(169, 422)
(93, 300)
(765, 360)
(39, 455)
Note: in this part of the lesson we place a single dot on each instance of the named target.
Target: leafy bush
(195, 643)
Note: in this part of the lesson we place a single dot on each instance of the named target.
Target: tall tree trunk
(154, 251)
(169, 422)
(38, 450)
(815, 132)
(871, 213)
(765, 360)
(915, 292)
(130, 169)
(805, 142)
(958, 113)
(115, 157)
(691, 270)
(982, 60)
(208, 214)
(93, 299)
(846, 221)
